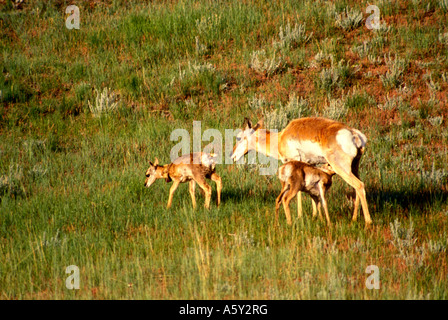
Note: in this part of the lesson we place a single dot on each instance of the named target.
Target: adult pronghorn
(315, 141)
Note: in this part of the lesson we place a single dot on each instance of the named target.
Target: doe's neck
(267, 143)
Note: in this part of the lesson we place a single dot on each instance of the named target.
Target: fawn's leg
(315, 204)
(191, 188)
(279, 199)
(324, 202)
(207, 190)
(218, 182)
(299, 204)
(172, 189)
(287, 199)
(316, 207)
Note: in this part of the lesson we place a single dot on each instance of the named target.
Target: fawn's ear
(156, 162)
(165, 173)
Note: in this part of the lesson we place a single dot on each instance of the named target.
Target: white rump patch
(209, 160)
(285, 172)
(345, 139)
(359, 138)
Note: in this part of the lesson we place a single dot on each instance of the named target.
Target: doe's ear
(259, 124)
(247, 123)
(156, 162)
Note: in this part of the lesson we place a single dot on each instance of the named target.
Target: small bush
(358, 101)
(434, 177)
(436, 121)
(198, 77)
(105, 103)
(363, 49)
(402, 238)
(280, 117)
(336, 109)
(432, 85)
(292, 37)
(258, 102)
(394, 76)
(338, 75)
(391, 103)
(443, 5)
(11, 183)
(349, 19)
(265, 65)
(321, 58)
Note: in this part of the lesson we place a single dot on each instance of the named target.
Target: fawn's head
(327, 169)
(155, 172)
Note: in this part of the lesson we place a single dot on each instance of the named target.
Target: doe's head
(246, 139)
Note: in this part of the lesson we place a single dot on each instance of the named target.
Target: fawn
(192, 168)
(297, 176)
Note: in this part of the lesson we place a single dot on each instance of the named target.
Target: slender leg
(279, 199)
(286, 200)
(319, 207)
(324, 203)
(172, 189)
(345, 173)
(355, 213)
(207, 190)
(314, 203)
(355, 171)
(299, 204)
(192, 186)
(285, 203)
(218, 182)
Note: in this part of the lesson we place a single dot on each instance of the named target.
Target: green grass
(71, 185)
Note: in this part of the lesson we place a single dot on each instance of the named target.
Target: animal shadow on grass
(384, 200)
(242, 195)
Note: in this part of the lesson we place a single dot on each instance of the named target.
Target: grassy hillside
(71, 180)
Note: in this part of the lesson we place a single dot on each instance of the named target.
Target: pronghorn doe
(314, 141)
(192, 168)
(297, 176)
